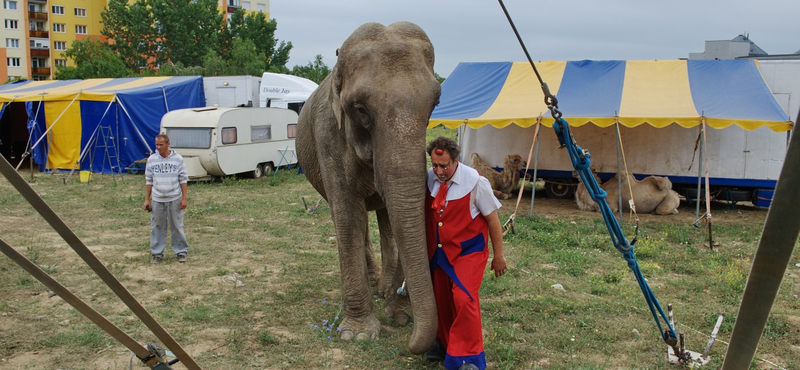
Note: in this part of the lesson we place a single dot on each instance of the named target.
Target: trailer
(285, 91)
(218, 142)
(231, 91)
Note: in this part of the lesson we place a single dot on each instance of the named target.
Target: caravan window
(197, 138)
(291, 130)
(260, 133)
(229, 135)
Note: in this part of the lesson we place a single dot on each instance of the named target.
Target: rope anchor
(677, 353)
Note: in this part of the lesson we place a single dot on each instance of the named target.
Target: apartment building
(36, 33)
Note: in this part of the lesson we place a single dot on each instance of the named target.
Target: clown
(460, 217)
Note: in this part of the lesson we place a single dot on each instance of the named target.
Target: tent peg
(677, 354)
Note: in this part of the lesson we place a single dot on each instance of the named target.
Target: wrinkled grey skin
(361, 144)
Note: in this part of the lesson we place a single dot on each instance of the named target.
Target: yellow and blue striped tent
(632, 93)
(63, 116)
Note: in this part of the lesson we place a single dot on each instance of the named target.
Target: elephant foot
(365, 329)
(395, 308)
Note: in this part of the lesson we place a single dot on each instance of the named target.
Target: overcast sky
(477, 30)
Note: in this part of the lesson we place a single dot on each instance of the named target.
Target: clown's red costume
(457, 238)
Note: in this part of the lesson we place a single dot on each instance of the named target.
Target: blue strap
(580, 161)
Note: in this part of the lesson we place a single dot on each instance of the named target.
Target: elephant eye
(361, 115)
(361, 109)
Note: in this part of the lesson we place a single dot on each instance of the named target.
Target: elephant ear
(336, 88)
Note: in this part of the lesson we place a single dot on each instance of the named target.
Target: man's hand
(183, 203)
(499, 266)
(147, 206)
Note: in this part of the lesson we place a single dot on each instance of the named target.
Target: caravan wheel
(258, 171)
(269, 169)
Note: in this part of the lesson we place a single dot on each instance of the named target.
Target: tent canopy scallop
(654, 92)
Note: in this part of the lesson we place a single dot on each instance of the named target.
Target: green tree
(131, 28)
(315, 71)
(186, 29)
(246, 59)
(92, 58)
(255, 27)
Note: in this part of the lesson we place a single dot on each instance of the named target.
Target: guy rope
(151, 355)
(580, 161)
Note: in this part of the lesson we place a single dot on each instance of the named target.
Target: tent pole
(164, 94)
(769, 265)
(699, 179)
(134, 126)
(54, 122)
(535, 164)
(619, 169)
(89, 142)
(708, 189)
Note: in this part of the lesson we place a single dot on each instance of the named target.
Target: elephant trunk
(402, 183)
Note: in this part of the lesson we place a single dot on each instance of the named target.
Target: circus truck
(242, 141)
(279, 90)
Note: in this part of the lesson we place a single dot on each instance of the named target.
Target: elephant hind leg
(387, 285)
(373, 268)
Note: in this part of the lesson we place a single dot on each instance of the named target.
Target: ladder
(107, 143)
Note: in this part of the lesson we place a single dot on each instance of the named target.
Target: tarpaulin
(70, 112)
(654, 92)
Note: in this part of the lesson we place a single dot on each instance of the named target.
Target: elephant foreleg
(351, 221)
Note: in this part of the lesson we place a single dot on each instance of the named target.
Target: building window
(37, 26)
(12, 24)
(246, 5)
(80, 12)
(12, 43)
(59, 27)
(233, 2)
(229, 135)
(60, 45)
(12, 62)
(58, 9)
(81, 30)
(9, 5)
(60, 62)
(261, 7)
(291, 130)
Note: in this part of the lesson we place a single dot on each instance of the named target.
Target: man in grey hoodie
(166, 179)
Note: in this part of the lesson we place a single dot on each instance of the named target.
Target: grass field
(261, 289)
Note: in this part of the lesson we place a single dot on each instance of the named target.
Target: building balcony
(232, 9)
(37, 15)
(40, 71)
(41, 52)
(40, 34)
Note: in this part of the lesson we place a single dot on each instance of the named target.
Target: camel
(653, 194)
(502, 182)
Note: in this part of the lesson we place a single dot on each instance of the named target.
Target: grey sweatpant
(164, 213)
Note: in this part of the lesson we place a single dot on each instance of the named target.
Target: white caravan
(231, 91)
(218, 142)
(285, 91)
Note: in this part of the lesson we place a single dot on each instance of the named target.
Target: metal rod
(713, 335)
(769, 264)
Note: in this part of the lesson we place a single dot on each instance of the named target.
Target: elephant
(361, 144)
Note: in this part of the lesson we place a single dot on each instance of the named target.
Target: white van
(285, 91)
(216, 142)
